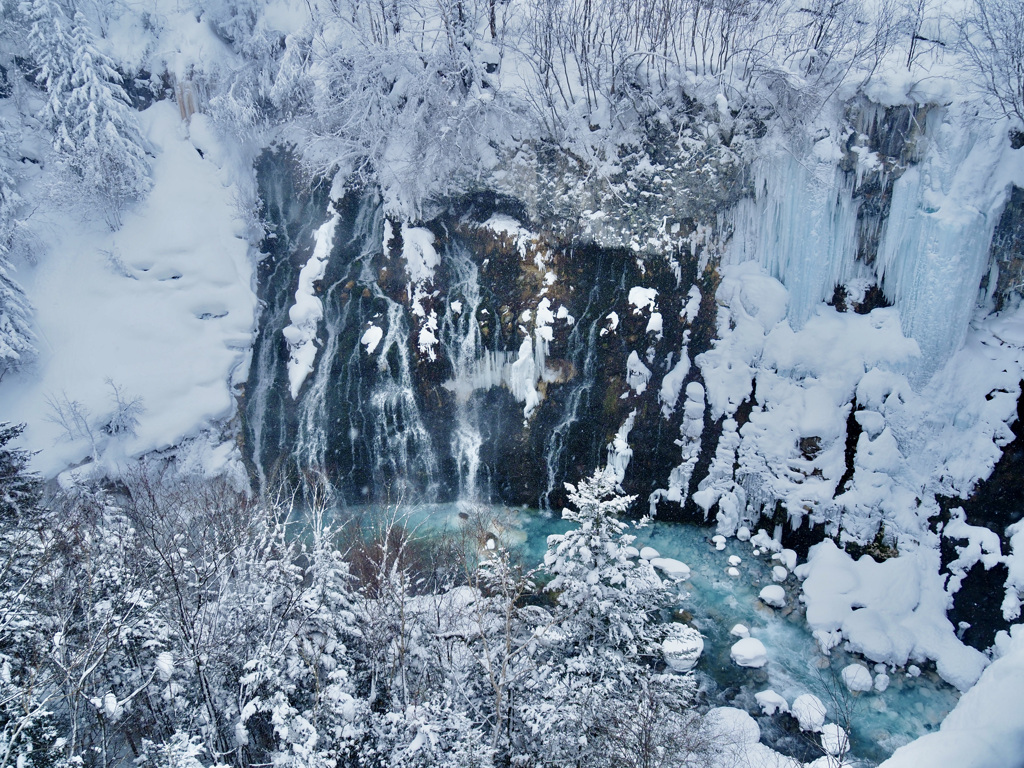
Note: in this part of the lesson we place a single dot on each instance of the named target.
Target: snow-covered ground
(163, 310)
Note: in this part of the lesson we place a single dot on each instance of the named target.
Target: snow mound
(857, 677)
(672, 568)
(890, 612)
(773, 595)
(771, 702)
(733, 725)
(834, 740)
(809, 712)
(749, 652)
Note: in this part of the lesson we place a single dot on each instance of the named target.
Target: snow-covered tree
(49, 43)
(99, 131)
(16, 346)
(19, 488)
(607, 594)
(994, 43)
(607, 627)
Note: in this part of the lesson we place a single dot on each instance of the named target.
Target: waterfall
(473, 366)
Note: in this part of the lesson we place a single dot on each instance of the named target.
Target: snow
(619, 452)
(637, 374)
(857, 677)
(771, 702)
(672, 384)
(371, 338)
(672, 568)
(421, 258)
(891, 612)
(643, 299)
(649, 553)
(682, 648)
(749, 652)
(163, 307)
(308, 310)
(733, 725)
(809, 712)
(165, 665)
(779, 573)
(834, 740)
(740, 630)
(986, 728)
(773, 595)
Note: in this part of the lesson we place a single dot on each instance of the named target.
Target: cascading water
(463, 343)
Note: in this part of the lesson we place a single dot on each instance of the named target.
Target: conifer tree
(16, 346)
(100, 125)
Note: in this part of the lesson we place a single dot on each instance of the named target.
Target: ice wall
(801, 225)
(935, 243)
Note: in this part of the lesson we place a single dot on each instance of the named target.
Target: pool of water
(717, 601)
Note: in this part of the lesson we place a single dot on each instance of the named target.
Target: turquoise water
(881, 722)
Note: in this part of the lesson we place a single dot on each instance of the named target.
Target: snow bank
(163, 307)
(891, 612)
(986, 728)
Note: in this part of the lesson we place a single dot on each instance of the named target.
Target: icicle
(801, 227)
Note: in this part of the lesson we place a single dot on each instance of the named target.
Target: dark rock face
(1007, 251)
(400, 423)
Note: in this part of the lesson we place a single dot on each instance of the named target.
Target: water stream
(716, 602)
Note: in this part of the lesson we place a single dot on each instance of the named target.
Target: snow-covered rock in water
(749, 652)
(649, 553)
(631, 551)
(771, 702)
(682, 648)
(719, 542)
(743, 533)
(809, 712)
(787, 558)
(733, 571)
(773, 595)
(779, 573)
(881, 682)
(733, 725)
(740, 630)
(857, 677)
(674, 569)
(834, 740)
(371, 338)
(734, 560)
